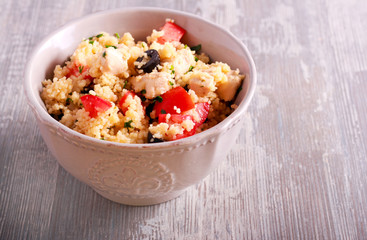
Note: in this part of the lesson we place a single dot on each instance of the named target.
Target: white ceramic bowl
(138, 174)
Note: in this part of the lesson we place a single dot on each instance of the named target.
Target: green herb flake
(91, 42)
(142, 44)
(190, 68)
(90, 38)
(125, 83)
(196, 59)
(128, 124)
(185, 46)
(102, 138)
(196, 48)
(117, 35)
(143, 91)
(107, 46)
(170, 83)
(163, 111)
(104, 54)
(99, 35)
(81, 69)
(172, 69)
(159, 99)
(239, 90)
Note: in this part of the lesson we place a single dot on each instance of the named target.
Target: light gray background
(297, 171)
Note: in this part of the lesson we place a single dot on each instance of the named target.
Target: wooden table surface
(299, 166)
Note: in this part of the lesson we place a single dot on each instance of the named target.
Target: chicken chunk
(113, 61)
(202, 83)
(154, 83)
(227, 90)
(182, 62)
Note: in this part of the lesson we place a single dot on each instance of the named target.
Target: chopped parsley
(91, 42)
(107, 46)
(239, 90)
(163, 111)
(104, 54)
(185, 46)
(159, 99)
(128, 124)
(117, 35)
(90, 38)
(172, 68)
(170, 83)
(190, 69)
(196, 59)
(125, 82)
(143, 91)
(196, 48)
(99, 35)
(81, 69)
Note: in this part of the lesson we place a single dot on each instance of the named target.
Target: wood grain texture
(297, 171)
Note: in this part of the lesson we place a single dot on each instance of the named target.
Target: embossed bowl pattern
(138, 174)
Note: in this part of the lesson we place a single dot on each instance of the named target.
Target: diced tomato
(203, 110)
(95, 105)
(172, 32)
(174, 118)
(123, 99)
(178, 118)
(185, 134)
(176, 97)
(77, 70)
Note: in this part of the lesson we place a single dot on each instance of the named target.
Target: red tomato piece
(172, 32)
(185, 134)
(174, 118)
(203, 110)
(178, 118)
(123, 99)
(176, 97)
(95, 105)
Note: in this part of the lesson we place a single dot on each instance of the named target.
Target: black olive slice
(149, 109)
(57, 116)
(153, 61)
(87, 88)
(152, 139)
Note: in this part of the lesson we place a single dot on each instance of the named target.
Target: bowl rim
(45, 117)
